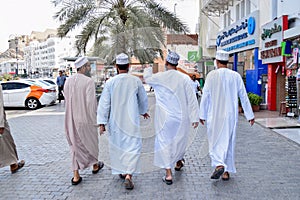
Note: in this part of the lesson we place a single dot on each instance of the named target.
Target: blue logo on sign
(251, 25)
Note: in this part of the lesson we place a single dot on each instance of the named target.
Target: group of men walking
(124, 100)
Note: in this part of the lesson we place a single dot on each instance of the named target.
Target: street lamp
(16, 41)
(175, 4)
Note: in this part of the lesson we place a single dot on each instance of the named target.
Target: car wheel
(32, 103)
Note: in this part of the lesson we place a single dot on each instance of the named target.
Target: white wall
(286, 7)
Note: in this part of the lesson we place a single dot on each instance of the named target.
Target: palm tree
(135, 27)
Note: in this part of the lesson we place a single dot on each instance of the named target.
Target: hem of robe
(7, 163)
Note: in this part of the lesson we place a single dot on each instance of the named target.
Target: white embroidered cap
(80, 62)
(173, 58)
(222, 55)
(122, 59)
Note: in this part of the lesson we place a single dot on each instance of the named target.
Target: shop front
(271, 54)
(241, 39)
(292, 36)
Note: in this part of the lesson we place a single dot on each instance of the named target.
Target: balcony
(215, 7)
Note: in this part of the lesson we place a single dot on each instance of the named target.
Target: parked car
(29, 94)
(51, 81)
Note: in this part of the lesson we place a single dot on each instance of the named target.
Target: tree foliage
(134, 27)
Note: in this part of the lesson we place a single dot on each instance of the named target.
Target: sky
(21, 17)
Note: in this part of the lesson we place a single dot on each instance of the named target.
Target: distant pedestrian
(60, 81)
(80, 120)
(122, 102)
(219, 107)
(8, 150)
(176, 112)
(196, 86)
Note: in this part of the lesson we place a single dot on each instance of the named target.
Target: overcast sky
(21, 17)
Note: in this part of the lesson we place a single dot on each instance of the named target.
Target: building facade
(45, 57)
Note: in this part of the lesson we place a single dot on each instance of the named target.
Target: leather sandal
(19, 166)
(225, 176)
(128, 184)
(76, 182)
(168, 182)
(100, 166)
(218, 172)
(122, 176)
(179, 165)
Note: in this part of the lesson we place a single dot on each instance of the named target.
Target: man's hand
(195, 124)
(146, 116)
(102, 129)
(202, 121)
(1, 130)
(251, 121)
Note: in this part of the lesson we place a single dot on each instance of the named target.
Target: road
(267, 165)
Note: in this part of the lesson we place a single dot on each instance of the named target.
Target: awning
(12, 72)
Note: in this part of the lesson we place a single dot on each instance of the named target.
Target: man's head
(194, 77)
(172, 60)
(83, 66)
(222, 58)
(60, 73)
(122, 61)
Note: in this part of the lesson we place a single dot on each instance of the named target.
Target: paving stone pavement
(267, 165)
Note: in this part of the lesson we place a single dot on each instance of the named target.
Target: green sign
(193, 56)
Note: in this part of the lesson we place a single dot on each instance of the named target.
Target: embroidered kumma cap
(122, 59)
(80, 62)
(173, 58)
(222, 55)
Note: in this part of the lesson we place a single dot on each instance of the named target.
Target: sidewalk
(288, 127)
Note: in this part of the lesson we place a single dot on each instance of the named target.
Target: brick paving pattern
(267, 165)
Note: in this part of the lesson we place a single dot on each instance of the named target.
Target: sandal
(225, 176)
(179, 165)
(218, 172)
(77, 182)
(122, 176)
(128, 184)
(19, 166)
(168, 182)
(100, 166)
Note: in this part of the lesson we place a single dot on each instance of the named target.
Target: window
(242, 8)
(14, 86)
(248, 7)
(237, 12)
(225, 20)
(229, 18)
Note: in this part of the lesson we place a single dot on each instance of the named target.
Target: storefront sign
(240, 36)
(271, 38)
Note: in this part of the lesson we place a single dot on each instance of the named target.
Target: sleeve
(242, 94)
(205, 100)
(57, 82)
(142, 98)
(103, 110)
(2, 119)
(149, 78)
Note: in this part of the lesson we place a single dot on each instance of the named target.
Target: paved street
(268, 165)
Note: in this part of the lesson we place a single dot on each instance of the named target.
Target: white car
(29, 94)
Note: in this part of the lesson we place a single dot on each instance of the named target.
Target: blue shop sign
(240, 36)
